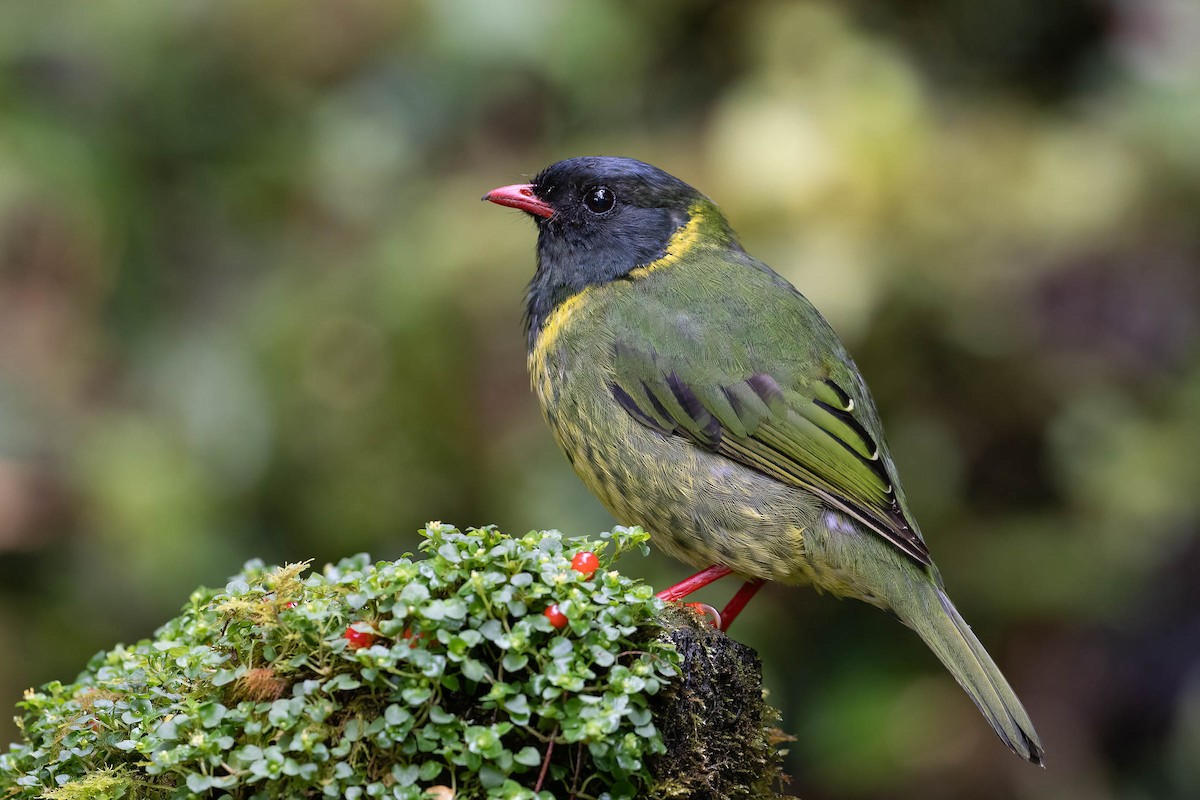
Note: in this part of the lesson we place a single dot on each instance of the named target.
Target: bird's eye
(600, 200)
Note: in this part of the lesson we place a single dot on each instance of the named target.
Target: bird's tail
(931, 614)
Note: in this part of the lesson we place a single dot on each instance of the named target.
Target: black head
(598, 219)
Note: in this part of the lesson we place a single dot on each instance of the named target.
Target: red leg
(698, 581)
(738, 602)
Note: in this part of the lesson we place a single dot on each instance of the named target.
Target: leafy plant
(386, 680)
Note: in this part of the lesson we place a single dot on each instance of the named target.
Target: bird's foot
(727, 615)
(708, 612)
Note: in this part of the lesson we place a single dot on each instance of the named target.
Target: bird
(700, 395)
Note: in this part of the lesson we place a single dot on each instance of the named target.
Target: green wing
(807, 422)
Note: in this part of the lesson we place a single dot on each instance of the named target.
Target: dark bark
(720, 734)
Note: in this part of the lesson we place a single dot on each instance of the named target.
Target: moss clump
(719, 731)
(364, 680)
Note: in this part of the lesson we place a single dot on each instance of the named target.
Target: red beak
(519, 195)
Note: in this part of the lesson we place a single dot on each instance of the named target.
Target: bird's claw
(708, 612)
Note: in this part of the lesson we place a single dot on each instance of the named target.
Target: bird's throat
(567, 270)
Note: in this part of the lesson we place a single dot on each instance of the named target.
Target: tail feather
(931, 614)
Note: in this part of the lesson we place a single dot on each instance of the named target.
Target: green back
(715, 347)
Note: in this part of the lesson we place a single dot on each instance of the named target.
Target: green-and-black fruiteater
(698, 394)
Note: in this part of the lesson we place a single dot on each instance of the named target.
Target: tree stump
(720, 733)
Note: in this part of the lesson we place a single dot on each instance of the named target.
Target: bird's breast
(699, 507)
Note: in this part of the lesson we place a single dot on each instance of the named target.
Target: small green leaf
(414, 593)
(517, 704)
(529, 756)
(169, 729)
(416, 695)
(396, 715)
(440, 717)
(514, 662)
(198, 783)
(475, 670)
(405, 775)
(224, 676)
(490, 777)
(491, 630)
(342, 682)
(211, 714)
(353, 730)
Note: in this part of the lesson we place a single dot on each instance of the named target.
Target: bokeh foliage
(251, 306)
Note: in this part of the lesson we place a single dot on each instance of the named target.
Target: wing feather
(808, 433)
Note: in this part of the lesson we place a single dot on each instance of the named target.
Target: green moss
(108, 784)
(719, 731)
(460, 680)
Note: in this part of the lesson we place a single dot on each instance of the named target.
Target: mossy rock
(441, 676)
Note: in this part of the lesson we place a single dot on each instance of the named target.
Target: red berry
(557, 618)
(408, 634)
(356, 639)
(291, 604)
(585, 562)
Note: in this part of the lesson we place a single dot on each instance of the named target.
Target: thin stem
(545, 762)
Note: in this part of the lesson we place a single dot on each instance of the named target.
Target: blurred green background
(251, 305)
